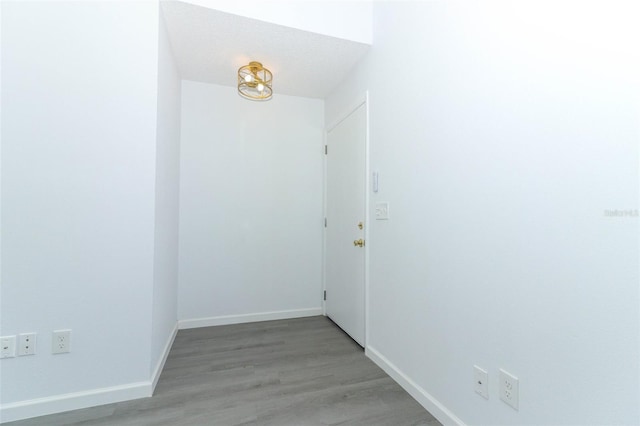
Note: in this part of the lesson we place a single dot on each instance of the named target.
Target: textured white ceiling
(209, 46)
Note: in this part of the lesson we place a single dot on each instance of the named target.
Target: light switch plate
(382, 211)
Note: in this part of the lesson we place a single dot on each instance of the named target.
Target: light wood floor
(292, 372)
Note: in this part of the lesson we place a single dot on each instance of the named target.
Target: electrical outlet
(27, 344)
(509, 389)
(481, 382)
(382, 211)
(7, 346)
(61, 342)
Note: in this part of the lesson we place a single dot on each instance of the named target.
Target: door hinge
(326, 150)
(325, 222)
(325, 295)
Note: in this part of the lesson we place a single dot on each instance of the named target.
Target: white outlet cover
(382, 211)
(509, 392)
(481, 381)
(7, 346)
(27, 344)
(61, 342)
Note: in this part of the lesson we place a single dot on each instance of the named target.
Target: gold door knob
(359, 243)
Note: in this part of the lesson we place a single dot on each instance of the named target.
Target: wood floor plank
(299, 372)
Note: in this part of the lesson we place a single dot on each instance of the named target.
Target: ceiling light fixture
(254, 82)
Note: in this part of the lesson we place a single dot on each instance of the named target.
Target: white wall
(165, 288)
(520, 129)
(250, 205)
(78, 182)
(350, 20)
(1, 132)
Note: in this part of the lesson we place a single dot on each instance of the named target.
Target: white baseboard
(155, 375)
(431, 404)
(73, 401)
(239, 319)
(77, 400)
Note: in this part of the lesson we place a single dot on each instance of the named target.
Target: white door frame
(361, 100)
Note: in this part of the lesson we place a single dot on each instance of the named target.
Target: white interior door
(345, 232)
